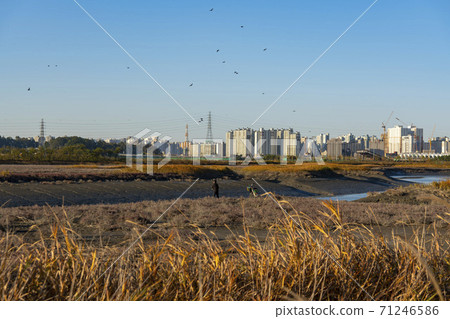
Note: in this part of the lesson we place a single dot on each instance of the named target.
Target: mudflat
(77, 193)
(83, 184)
(112, 192)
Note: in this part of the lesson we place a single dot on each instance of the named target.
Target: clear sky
(396, 58)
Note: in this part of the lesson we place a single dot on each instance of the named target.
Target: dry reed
(290, 262)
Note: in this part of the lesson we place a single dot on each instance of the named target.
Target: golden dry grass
(4, 173)
(307, 167)
(444, 185)
(428, 164)
(347, 166)
(189, 169)
(184, 170)
(289, 264)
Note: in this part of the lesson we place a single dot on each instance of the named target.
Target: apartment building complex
(248, 142)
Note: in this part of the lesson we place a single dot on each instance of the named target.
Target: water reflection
(347, 197)
(426, 179)
(421, 179)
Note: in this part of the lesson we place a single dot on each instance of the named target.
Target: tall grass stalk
(287, 265)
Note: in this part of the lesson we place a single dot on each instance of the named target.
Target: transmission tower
(186, 142)
(209, 137)
(42, 134)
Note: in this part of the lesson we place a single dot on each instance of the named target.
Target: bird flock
(218, 50)
(224, 61)
(192, 83)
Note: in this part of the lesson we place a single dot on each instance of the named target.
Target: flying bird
(293, 111)
(235, 72)
(56, 65)
(223, 61)
(211, 9)
(262, 92)
(29, 89)
(242, 26)
(48, 66)
(191, 84)
(217, 50)
(128, 67)
(201, 120)
(265, 49)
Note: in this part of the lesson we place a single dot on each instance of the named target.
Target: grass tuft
(444, 185)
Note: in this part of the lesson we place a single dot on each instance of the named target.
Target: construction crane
(384, 136)
(431, 137)
(401, 121)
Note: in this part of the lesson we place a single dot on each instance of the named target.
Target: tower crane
(401, 121)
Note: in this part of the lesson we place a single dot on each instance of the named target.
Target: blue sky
(396, 58)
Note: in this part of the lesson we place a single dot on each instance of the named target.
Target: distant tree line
(61, 149)
(90, 144)
(19, 142)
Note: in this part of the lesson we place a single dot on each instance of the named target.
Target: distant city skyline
(201, 139)
(394, 59)
(122, 133)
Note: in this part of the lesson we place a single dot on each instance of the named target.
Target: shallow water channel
(425, 179)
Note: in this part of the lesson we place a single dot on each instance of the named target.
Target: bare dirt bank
(436, 193)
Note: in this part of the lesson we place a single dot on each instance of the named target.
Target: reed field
(339, 167)
(301, 259)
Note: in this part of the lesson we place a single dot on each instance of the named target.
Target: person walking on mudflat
(215, 188)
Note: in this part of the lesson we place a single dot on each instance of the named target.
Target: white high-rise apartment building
(240, 142)
(245, 142)
(405, 139)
